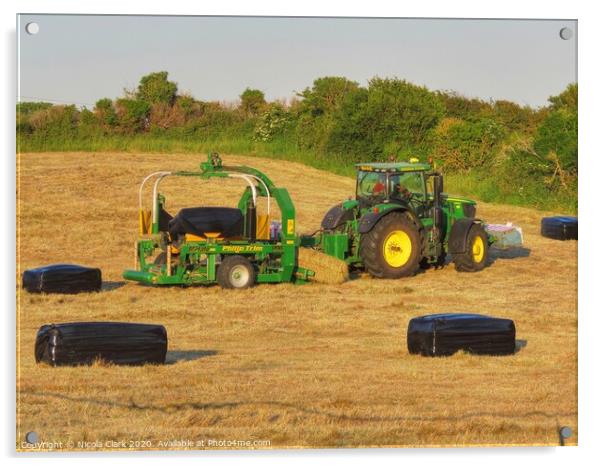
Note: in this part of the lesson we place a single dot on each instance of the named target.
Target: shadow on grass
(358, 273)
(494, 255)
(210, 406)
(110, 286)
(174, 357)
(519, 345)
(513, 253)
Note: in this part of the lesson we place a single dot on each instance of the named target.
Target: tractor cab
(400, 182)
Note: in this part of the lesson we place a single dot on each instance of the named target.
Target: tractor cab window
(371, 186)
(407, 185)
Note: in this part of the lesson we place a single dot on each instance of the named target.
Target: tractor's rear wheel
(236, 272)
(475, 257)
(392, 249)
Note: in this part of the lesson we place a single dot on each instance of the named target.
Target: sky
(80, 59)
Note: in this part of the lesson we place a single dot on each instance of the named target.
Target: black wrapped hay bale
(229, 222)
(81, 343)
(445, 334)
(62, 278)
(562, 228)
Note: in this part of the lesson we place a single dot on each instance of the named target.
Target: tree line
(528, 152)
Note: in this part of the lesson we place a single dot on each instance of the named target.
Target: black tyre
(477, 251)
(392, 249)
(235, 272)
(561, 228)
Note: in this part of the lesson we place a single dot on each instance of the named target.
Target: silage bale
(327, 269)
(85, 343)
(62, 278)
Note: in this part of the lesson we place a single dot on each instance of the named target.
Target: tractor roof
(393, 166)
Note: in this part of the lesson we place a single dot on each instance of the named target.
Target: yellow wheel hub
(478, 249)
(397, 248)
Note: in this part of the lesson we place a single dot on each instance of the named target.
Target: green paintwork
(336, 244)
(344, 243)
(196, 262)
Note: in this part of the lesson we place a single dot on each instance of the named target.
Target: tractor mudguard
(370, 219)
(458, 236)
(336, 216)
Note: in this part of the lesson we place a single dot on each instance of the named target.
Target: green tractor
(399, 221)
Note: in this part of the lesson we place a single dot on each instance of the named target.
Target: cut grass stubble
(318, 365)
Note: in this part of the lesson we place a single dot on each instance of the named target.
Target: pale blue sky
(79, 59)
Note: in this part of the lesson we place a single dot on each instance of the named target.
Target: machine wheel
(477, 251)
(235, 272)
(392, 249)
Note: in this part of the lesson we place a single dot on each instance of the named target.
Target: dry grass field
(298, 366)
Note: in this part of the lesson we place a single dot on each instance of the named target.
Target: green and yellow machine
(230, 246)
(399, 221)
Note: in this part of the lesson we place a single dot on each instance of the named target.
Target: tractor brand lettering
(290, 227)
(241, 248)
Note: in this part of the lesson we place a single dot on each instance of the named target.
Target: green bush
(27, 108)
(190, 107)
(566, 99)
(514, 117)
(391, 115)
(87, 125)
(105, 112)
(550, 161)
(464, 145)
(252, 101)
(155, 88)
(56, 122)
(458, 106)
(132, 114)
(24, 111)
(316, 112)
(272, 122)
(326, 95)
(350, 131)
(558, 134)
(497, 151)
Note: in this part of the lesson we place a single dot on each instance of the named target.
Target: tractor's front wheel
(235, 272)
(392, 249)
(475, 257)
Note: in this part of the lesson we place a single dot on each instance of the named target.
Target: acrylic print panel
(315, 190)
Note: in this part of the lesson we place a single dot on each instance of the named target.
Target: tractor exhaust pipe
(437, 207)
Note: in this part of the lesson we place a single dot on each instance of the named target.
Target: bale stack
(328, 269)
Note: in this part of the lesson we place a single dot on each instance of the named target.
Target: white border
(590, 262)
